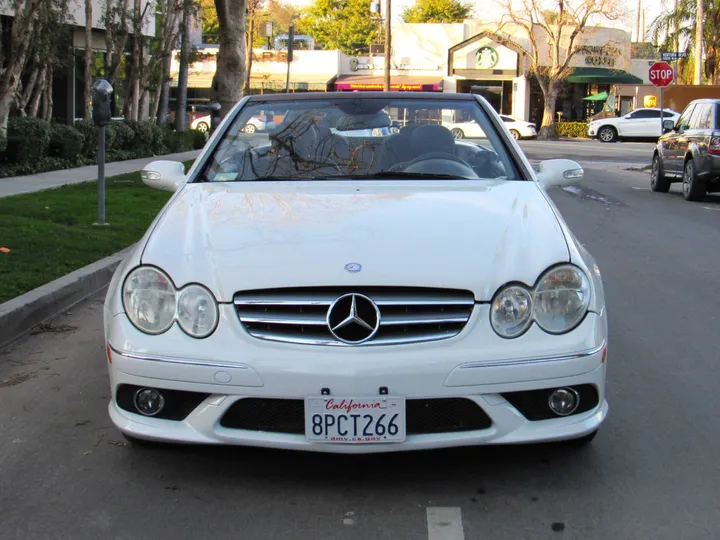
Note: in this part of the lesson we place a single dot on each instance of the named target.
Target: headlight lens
(561, 299)
(511, 311)
(149, 300)
(197, 311)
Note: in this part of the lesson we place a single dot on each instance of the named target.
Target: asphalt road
(652, 472)
(633, 153)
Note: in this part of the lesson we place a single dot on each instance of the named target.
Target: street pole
(662, 110)
(291, 39)
(101, 176)
(388, 45)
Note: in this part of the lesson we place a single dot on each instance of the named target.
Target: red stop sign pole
(661, 74)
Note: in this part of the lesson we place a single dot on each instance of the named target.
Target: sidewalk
(36, 182)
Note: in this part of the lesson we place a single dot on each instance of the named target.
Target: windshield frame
(522, 168)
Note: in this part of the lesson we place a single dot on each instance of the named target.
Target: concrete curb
(19, 315)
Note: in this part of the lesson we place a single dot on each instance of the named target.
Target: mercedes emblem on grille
(353, 268)
(353, 318)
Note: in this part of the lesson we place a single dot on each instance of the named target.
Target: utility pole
(181, 101)
(677, 39)
(637, 26)
(699, 43)
(388, 44)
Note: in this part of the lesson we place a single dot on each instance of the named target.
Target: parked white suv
(639, 124)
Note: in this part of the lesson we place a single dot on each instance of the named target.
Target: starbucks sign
(487, 57)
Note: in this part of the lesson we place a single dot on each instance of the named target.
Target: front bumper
(455, 368)
(592, 131)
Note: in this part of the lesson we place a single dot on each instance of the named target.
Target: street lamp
(388, 45)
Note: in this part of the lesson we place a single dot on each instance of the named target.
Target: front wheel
(607, 134)
(250, 129)
(693, 187)
(658, 181)
(202, 127)
(458, 133)
(515, 134)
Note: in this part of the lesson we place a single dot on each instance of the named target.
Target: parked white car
(639, 124)
(519, 129)
(202, 123)
(312, 291)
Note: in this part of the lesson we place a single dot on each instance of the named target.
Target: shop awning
(603, 76)
(264, 81)
(602, 96)
(406, 83)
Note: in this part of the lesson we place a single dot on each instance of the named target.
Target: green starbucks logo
(487, 58)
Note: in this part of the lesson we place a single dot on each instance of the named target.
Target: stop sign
(661, 74)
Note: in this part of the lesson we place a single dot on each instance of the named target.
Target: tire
(515, 134)
(693, 187)
(250, 129)
(607, 134)
(141, 443)
(458, 133)
(581, 441)
(658, 181)
(202, 127)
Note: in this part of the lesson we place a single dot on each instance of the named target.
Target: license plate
(355, 420)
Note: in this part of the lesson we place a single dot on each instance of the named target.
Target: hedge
(576, 130)
(35, 146)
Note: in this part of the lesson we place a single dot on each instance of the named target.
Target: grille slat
(407, 314)
(424, 416)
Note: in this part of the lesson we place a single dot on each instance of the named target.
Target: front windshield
(336, 138)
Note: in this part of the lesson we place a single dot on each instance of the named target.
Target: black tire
(693, 187)
(140, 443)
(607, 134)
(581, 441)
(658, 181)
(458, 133)
(515, 134)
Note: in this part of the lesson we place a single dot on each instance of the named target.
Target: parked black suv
(689, 151)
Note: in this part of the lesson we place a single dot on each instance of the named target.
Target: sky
(492, 10)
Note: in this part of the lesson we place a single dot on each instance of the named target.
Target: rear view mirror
(164, 175)
(560, 172)
(668, 125)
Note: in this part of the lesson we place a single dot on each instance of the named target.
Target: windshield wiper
(403, 174)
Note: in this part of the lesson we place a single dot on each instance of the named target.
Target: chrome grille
(407, 314)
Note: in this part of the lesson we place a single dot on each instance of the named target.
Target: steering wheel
(438, 155)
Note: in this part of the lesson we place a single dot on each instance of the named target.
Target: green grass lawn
(51, 233)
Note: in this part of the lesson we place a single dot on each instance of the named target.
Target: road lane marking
(641, 188)
(444, 523)
(717, 209)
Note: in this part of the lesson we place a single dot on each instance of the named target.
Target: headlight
(561, 299)
(197, 311)
(511, 311)
(149, 300)
(153, 304)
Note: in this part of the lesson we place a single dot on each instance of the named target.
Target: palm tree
(663, 32)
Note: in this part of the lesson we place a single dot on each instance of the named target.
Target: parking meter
(101, 113)
(215, 118)
(101, 100)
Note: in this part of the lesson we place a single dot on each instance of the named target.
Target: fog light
(149, 401)
(564, 401)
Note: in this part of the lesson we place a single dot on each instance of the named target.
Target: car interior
(315, 143)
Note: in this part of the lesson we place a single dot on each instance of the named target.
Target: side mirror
(668, 125)
(164, 175)
(559, 172)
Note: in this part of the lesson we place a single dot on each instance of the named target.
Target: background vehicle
(201, 123)
(639, 124)
(690, 152)
(519, 129)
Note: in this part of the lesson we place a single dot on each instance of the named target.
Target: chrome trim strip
(394, 340)
(175, 360)
(284, 318)
(437, 318)
(537, 360)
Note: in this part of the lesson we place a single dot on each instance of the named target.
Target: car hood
(474, 235)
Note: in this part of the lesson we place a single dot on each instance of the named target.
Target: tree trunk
(29, 89)
(699, 43)
(37, 94)
(157, 96)
(548, 130)
(143, 103)
(163, 110)
(47, 100)
(88, 59)
(249, 56)
(22, 31)
(135, 63)
(230, 74)
(181, 102)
